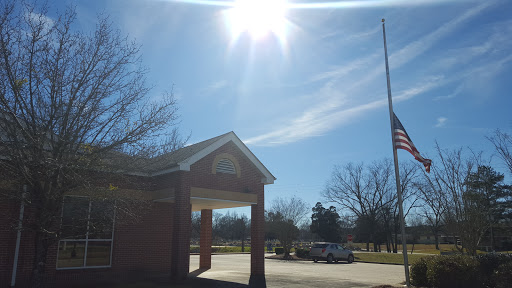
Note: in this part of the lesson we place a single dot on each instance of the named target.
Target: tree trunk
(437, 241)
(286, 248)
(39, 266)
(395, 247)
(492, 239)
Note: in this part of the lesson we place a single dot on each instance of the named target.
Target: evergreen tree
(326, 223)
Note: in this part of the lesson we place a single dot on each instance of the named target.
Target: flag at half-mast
(403, 141)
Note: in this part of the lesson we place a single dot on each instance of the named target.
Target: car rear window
(320, 245)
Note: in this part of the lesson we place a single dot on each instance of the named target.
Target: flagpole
(395, 157)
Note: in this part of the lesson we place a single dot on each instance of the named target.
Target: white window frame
(86, 239)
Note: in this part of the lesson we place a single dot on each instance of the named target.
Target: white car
(330, 252)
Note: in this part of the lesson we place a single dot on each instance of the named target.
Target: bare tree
(408, 175)
(503, 144)
(435, 203)
(416, 227)
(452, 173)
(195, 227)
(294, 209)
(363, 192)
(241, 226)
(283, 219)
(73, 108)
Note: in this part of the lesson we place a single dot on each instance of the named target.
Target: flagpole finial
(383, 20)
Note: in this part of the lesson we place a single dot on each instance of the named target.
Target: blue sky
(312, 92)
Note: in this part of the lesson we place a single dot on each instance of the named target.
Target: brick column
(258, 241)
(205, 244)
(180, 258)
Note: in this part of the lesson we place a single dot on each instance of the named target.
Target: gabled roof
(181, 159)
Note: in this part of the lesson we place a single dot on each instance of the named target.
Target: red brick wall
(146, 249)
(142, 250)
(202, 177)
(9, 212)
(250, 182)
(147, 244)
(181, 229)
(9, 216)
(205, 246)
(258, 235)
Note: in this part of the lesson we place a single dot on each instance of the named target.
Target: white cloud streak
(333, 111)
(324, 118)
(441, 122)
(418, 47)
(214, 87)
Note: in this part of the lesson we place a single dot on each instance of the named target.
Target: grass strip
(387, 258)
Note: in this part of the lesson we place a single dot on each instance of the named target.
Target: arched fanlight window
(225, 166)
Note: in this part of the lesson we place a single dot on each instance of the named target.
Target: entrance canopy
(202, 198)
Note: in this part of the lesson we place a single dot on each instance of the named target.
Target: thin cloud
(365, 34)
(316, 122)
(467, 77)
(216, 86)
(39, 19)
(455, 93)
(338, 72)
(497, 41)
(418, 47)
(358, 36)
(441, 122)
(332, 112)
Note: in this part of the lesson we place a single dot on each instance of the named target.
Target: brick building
(217, 173)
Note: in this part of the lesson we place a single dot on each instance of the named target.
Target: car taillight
(323, 250)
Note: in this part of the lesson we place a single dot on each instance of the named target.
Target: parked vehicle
(330, 252)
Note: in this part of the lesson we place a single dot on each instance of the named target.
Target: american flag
(403, 141)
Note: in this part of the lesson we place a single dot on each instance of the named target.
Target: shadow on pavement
(197, 272)
(197, 282)
(194, 281)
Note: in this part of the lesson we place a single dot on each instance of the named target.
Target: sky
(303, 83)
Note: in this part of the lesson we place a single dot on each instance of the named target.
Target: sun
(259, 18)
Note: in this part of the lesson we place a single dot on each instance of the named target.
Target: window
(86, 233)
(225, 166)
(319, 245)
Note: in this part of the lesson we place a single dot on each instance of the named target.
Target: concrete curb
(304, 260)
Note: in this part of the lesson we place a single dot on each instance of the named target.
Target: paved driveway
(235, 268)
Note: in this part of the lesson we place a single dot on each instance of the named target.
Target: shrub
(454, 271)
(279, 250)
(302, 253)
(230, 249)
(419, 272)
(222, 249)
(489, 264)
(503, 275)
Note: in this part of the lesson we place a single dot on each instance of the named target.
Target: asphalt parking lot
(233, 270)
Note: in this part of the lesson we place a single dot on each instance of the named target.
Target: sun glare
(257, 17)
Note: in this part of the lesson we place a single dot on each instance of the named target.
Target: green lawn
(388, 258)
(222, 249)
(418, 248)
